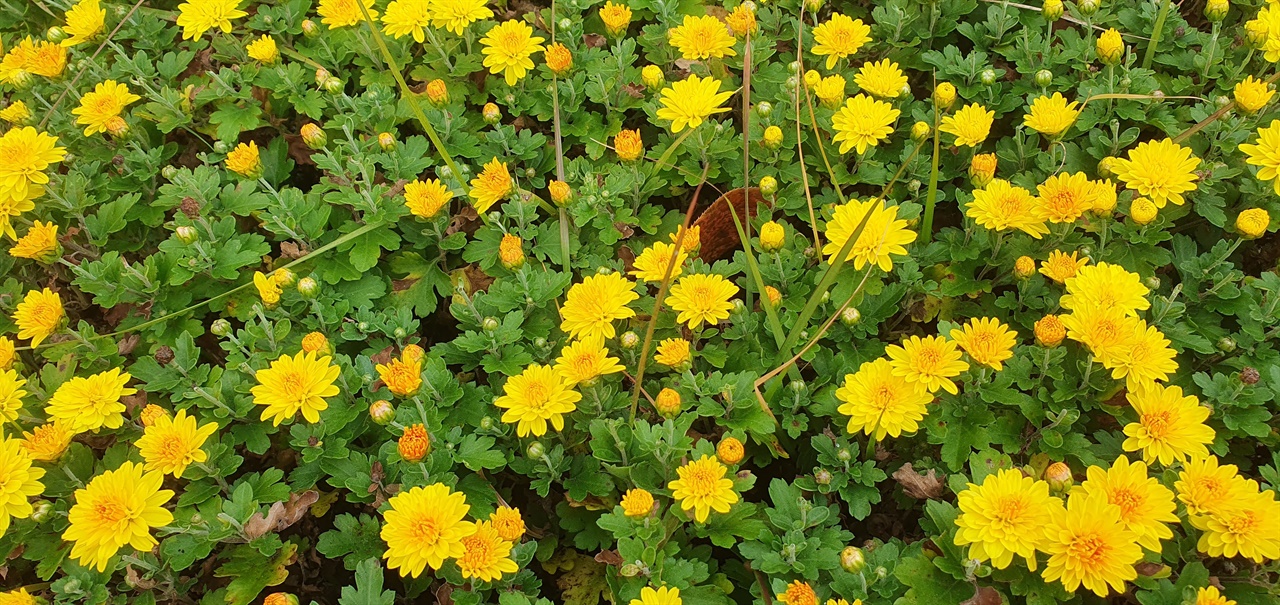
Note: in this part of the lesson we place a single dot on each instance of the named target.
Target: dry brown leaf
(281, 514)
(921, 486)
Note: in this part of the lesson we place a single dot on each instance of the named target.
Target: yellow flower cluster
(426, 526)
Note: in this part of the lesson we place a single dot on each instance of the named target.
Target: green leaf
(232, 119)
(251, 572)
(354, 539)
(368, 590)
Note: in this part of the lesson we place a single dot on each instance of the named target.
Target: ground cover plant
(656, 302)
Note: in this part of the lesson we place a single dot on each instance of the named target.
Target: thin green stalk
(926, 227)
(555, 109)
(1156, 32)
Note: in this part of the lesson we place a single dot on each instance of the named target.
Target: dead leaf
(985, 595)
(594, 41)
(921, 486)
(134, 402)
(609, 557)
(127, 344)
(291, 250)
(281, 515)
(132, 578)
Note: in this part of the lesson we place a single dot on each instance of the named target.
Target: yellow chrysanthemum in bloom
(1208, 488)
(344, 13)
(1252, 94)
(84, 21)
(1251, 223)
(507, 48)
(1066, 197)
(485, 555)
(884, 235)
(1088, 544)
(27, 154)
(7, 350)
(691, 101)
(170, 445)
(1170, 426)
(1008, 515)
(1060, 267)
(293, 384)
(839, 37)
(423, 527)
(425, 198)
(702, 487)
(268, 288)
(636, 503)
(673, 352)
(971, 125)
(48, 60)
(1211, 596)
(40, 243)
(661, 596)
(830, 90)
(1106, 285)
(1104, 197)
(1051, 116)
(11, 208)
(1001, 206)
(117, 508)
(584, 361)
(987, 341)
(616, 17)
(245, 160)
(591, 307)
(16, 113)
(1146, 507)
(652, 263)
(534, 397)
(1267, 24)
(1160, 170)
(742, 20)
(863, 122)
(456, 15)
(47, 442)
(689, 240)
(932, 362)
(99, 108)
(1250, 529)
(11, 394)
(88, 404)
(508, 523)
(408, 17)
(703, 37)
(196, 17)
(1146, 358)
(628, 144)
(798, 593)
(263, 50)
(702, 298)
(18, 482)
(1265, 154)
(491, 186)
(881, 404)
(1107, 331)
(402, 376)
(39, 315)
(20, 596)
(884, 79)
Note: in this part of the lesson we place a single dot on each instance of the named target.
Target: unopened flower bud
(1226, 344)
(772, 236)
(560, 192)
(382, 412)
(322, 76)
(1050, 331)
(987, 76)
(1250, 375)
(667, 403)
(764, 109)
(41, 510)
(768, 185)
(1110, 47)
(414, 443)
(511, 252)
(313, 136)
(1024, 267)
(1044, 78)
(308, 287)
(386, 141)
(333, 86)
(535, 450)
(1052, 10)
(944, 95)
(1087, 7)
(920, 131)
(822, 476)
(982, 169)
(730, 451)
(187, 234)
(491, 114)
(852, 559)
(316, 342)
(220, 327)
(850, 316)
(1106, 167)
(629, 340)
(653, 77)
(309, 28)
(1216, 10)
(55, 34)
(1256, 33)
(280, 598)
(1143, 211)
(772, 137)
(150, 414)
(772, 296)
(437, 92)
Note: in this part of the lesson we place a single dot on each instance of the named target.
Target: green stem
(926, 228)
(1157, 30)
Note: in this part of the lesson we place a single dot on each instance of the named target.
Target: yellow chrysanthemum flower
(39, 315)
(1208, 488)
(84, 21)
(170, 445)
(628, 144)
(931, 361)
(423, 527)
(742, 20)
(880, 403)
(591, 307)
(616, 17)
(1210, 596)
(1105, 285)
(839, 37)
(884, 234)
(702, 487)
(101, 107)
(408, 17)
(117, 508)
(424, 199)
(20, 596)
(11, 208)
(88, 404)
(1265, 154)
(1009, 514)
(268, 287)
(508, 523)
(18, 482)
(1104, 197)
(1051, 116)
(1170, 426)
(485, 555)
(507, 48)
(702, 298)
(1066, 197)
(690, 240)
(971, 125)
(263, 50)
(584, 361)
(798, 593)
(673, 353)
(637, 503)
(1145, 359)
(47, 442)
(1088, 544)
(1107, 331)
(534, 397)
(1160, 170)
(491, 186)
(652, 263)
(27, 154)
(48, 59)
(7, 351)
(1251, 223)
(1252, 94)
(661, 596)
(344, 13)
(293, 384)
(11, 394)
(703, 37)
(883, 79)
(245, 160)
(403, 376)
(16, 112)
(1250, 529)
(196, 17)
(1060, 267)
(987, 341)
(863, 122)
(40, 243)
(456, 15)
(1001, 206)
(691, 101)
(1146, 507)
(830, 90)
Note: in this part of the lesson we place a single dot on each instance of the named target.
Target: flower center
(173, 448)
(1010, 510)
(1127, 500)
(701, 481)
(1242, 523)
(537, 393)
(479, 551)
(927, 360)
(1157, 424)
(111, 511)
(1091, 549)
(427, 531)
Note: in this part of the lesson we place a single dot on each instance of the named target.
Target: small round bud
(414, 443)
(313, 136)
(629, 570)
(221, 147)
(41, 510)
(1152, 283)
(850, 316)
(491, 114)
(739, 307)
(730, 451)
(535, 450)
(793, 67)
(1053, 9)
(822, 476)
(489, 324)
(280, 598)
(187, 234)
(386, 141)
(1087, 7)
(540, 342)
(852, 559)
(308, 287)
(1216, 10)
(55, 34)
(920, 131)
(667, 403)
(772, 236)
(629, 340)
(1050, 331)
(653, 77)
(315, 342)
(1044, 78)
(333, 86)
(309, 28)
(844, 455)
(284, 277)
(382, 412)
(1250, 375)
(764, 109)
(486, 423)
(944, 95)
(1058, 476)
(1106, 167)
(1256, 33)
(988, 76)
(772, 138)
(1226, 344)
(1024, 267)
(1143, 211)
(812, 78)
(1110, 48)
(565, 23)
(169, 172)
(768, 185)
(982, 169)
(221, 327)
